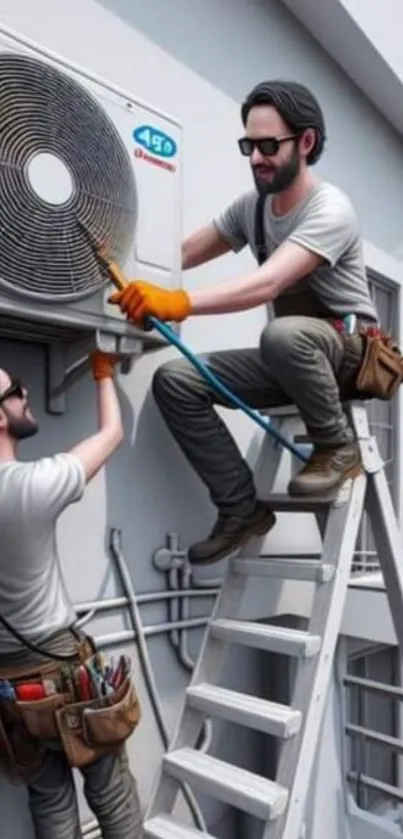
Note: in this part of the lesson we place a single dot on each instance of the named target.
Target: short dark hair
(296, 105)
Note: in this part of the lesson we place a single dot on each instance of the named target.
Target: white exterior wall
(196, 61)
(382, 29)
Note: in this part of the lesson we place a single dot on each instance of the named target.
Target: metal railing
(360, 775)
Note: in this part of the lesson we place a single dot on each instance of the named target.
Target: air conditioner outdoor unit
(80, 159)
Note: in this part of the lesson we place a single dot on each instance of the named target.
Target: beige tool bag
(87, 730)
(98, 726)
(381, 371)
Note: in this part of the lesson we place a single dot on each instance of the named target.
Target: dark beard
(283, 178)
(20, 428)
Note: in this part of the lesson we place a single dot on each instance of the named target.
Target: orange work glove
(139, 300)
(102, 365)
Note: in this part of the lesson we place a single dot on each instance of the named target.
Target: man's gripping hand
(103, 365)
(138, 300)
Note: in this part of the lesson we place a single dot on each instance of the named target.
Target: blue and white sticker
(155, 141)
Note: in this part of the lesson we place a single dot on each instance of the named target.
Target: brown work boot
(327, 469)
(230, 532)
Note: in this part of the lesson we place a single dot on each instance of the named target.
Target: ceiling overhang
(339, 34)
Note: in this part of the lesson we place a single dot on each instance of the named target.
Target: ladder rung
(385, 740)
(260, 714)
(311, 570)
(276, 639)
(387, 790)
(370, 686)
(164, 827)
(300, 504)
(239, 787)
(283, 411)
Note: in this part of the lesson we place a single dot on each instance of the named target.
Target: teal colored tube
(224, 391)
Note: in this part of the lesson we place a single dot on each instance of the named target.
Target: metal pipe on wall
(148, 597)
(184, 614)
(156, 629)
(184, 581)
(177, 627)
(173, 606)
(139, 632)
(183, 593)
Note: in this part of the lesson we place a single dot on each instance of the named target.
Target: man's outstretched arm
(321, 237)
(286, 266)
(289, 263)
(94, 452)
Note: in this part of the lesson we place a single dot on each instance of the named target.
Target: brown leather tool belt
(80, 711)
(373, 364)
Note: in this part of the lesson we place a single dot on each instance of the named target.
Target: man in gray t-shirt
(311, 272)
(323, 222)
(37, 617)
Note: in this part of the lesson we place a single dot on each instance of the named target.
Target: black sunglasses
(14, 389)
(268, 146)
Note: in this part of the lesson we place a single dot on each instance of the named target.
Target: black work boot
(230, 532)
(327, 469)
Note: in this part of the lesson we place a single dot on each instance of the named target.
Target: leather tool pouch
(87, 730)
(372, 367)
(21, 750)
(93, 728)
(381, 370)
(39, 716)
(20, 753)
(7, 757)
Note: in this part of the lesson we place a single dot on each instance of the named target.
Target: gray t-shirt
(325, 223)
(33, 597)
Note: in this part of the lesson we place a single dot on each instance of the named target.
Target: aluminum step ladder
(280, 804)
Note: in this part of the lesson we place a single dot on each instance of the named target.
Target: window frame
(388, 271)
(353, 650)
(365, 558)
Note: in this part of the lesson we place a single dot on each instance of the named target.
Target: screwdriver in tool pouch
(84, 683)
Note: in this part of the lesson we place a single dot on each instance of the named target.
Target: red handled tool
(30, 692)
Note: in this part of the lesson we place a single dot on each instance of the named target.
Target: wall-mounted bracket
(170, 557)
(61, 377)
(56, 378)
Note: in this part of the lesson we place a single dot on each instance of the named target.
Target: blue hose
(224, 391)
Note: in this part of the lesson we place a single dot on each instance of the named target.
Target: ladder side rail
(313, 675)
(389, 545)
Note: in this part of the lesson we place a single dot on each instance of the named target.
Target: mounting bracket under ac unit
(61, 377)
(64, 333)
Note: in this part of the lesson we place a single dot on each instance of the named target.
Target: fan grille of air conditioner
(44, 250)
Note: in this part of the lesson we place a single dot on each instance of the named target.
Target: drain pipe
(115, 544)
(206, 734)
(172, 561)
(184, 610)
(173, 606)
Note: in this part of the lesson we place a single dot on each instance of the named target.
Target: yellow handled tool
(116, 274)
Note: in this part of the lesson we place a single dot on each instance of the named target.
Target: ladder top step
(282, 503)
(283, 411)
(276, 639)
(238, 787)
(165, 827)
(251, 711)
